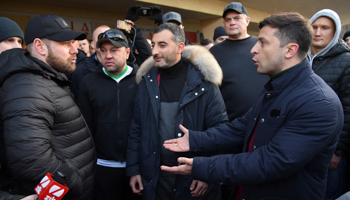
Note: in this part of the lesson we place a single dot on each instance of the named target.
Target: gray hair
(179, 34)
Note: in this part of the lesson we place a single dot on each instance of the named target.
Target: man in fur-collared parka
(178, 85)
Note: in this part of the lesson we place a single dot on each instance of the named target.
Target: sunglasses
(112, 36)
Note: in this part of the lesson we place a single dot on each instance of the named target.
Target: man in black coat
(43, 128)
(330, 58)
(178, 85)
(106, 100)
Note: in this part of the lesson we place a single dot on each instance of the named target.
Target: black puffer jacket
(334, 69)
(42, 128)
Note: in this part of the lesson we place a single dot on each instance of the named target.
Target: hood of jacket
(199, 56)
(18, 60)
(333, 16)
(339, 48)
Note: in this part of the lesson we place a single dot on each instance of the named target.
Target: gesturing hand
(185, 169)
(180, 144)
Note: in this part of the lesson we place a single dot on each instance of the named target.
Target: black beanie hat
(9, 28)
(347, 34)
(218, 32)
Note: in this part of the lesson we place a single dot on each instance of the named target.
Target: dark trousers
(112, 184)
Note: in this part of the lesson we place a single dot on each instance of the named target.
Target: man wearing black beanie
(219, 34)
(11, 35)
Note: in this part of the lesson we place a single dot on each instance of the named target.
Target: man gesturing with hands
(288, 136)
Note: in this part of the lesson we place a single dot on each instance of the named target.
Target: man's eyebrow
(260, 38)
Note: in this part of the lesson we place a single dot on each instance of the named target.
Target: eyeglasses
(111, 36)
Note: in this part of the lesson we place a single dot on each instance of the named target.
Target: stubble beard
(59, 64)
(167, 61)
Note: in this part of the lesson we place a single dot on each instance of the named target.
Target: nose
(73, 50)
(108, 54)
(317, 31)
(155, 50)
(254, 50)
(16, 45)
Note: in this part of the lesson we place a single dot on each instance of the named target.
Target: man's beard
(168, 61)
(59, 64)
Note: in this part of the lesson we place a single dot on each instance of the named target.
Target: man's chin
(160, 65)
(72, 68)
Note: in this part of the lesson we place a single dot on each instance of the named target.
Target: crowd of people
(236, 117)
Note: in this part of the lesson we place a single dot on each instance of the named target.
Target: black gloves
(131, 14)
(154, 12)
(157, 14)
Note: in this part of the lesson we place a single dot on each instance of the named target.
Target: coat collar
(294, 76)
(199, 56)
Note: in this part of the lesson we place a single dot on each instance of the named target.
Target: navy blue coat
(298, 127)
(201, 106)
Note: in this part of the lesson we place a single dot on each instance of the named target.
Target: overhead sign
(82, 26)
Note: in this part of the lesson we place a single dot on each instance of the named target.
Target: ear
(40, 46)
(291, 49)
(92, 44)
(127, 51)
(247, 20)
(180, 47)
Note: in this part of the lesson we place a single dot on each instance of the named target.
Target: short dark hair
(179, 34)
(205, 42)
(292, 28)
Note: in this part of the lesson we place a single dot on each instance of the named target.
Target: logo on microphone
(48, 189)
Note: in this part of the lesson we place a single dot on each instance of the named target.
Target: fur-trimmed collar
(199, 56)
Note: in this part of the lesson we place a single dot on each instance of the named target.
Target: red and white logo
(48, 189)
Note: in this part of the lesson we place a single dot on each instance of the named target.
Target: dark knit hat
(347, 34)
(52, 27)
(218, 32)
(9, 28)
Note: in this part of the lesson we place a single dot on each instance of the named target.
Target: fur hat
(9, 28)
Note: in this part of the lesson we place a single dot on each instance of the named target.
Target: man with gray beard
(178, 85)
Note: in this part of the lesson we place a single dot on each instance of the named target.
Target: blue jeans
(336, 180)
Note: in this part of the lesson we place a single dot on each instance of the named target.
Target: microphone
(53, 187)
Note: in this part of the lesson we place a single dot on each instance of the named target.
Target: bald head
(97, 31)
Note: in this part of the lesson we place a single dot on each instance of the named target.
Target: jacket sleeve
(344, 96)
(304, 135)
(29, 111)
(132, 155)
(28, 116)
(6, 196)
(220, 138)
